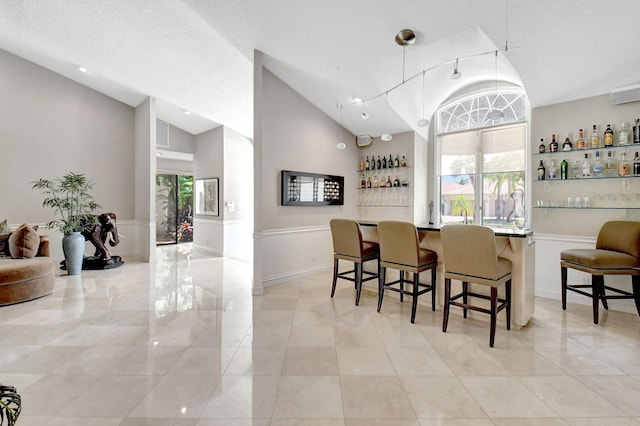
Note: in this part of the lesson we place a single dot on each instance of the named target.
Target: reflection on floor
(183, 342)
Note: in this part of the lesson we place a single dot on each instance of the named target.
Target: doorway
(174, 209)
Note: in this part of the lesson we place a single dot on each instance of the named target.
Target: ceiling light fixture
(187, 112)
(495, 114)
(386, 136)
(339, 145)
(403, 38)
(357, 99)
(365, 116)
(423, 122)
(456, 74)
(83, 69)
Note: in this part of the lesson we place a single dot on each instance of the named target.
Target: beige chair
(400, 249)
(470, 256)
(348, 245)
(617, 252)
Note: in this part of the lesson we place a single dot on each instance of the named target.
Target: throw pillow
(24, 242)
(4, 244)
(4, 227)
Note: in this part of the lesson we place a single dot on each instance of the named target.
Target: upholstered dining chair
(617, 252)
(470, 256)
(348, 245)
(400, 249)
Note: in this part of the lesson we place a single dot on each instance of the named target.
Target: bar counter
(513, 244)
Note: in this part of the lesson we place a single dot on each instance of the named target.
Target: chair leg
(381, 279)
(597, 281)
(492, 331)
(563, 278)
(465, 296)
(355, 271)
(414, 302)
(335, 276)
(603, 296)
(401, 286)
(635, 282)
(433, 288)
(447, 296)
(358, 282)
(507, 294)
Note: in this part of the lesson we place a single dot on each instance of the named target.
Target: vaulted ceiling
(196, 55)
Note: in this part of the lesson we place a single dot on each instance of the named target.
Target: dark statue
(101, 228)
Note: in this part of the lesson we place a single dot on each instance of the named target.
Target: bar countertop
(499, 231)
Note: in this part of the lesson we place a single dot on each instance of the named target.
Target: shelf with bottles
(367, 165)
(624, 138)
(598, 167)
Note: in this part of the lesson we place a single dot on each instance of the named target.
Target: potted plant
(70, 198)
(10, 405)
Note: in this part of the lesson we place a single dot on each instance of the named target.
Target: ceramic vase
(73, 248)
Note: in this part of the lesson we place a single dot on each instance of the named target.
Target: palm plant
(70, 198)
(10, 405)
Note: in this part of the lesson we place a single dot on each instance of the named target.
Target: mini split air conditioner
(624, 95)
(363, 140)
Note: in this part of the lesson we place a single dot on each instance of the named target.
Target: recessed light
(82, 69)
(187, 112)
(356, 99)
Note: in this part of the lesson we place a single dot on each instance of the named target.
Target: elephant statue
(98, 233)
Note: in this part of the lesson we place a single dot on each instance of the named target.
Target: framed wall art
(207, 196)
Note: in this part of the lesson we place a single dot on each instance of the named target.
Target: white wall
(145, 179)
(49, 126)
(559, 229)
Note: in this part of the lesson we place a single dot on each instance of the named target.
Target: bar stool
(470, 255)
(348, 245)
(617, 252)
(400, 249)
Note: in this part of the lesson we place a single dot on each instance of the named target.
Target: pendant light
(365, 116)
(456, 74)
(339, 145)
(386, 136)
(495, 114)
(423, 122)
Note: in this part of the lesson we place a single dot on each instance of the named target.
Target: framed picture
(207, 199)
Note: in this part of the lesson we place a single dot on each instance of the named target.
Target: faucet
(463, 212)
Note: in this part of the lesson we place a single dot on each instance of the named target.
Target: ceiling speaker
(363, 140)
(624, 95)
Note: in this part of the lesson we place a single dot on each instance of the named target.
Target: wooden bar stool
(400, 249)
(470, 255)
(348, 245)
(617, 252)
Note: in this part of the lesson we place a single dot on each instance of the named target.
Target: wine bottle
(564, 169)
(363, 182)
(586, 167)
(369, 181)
(567, 145)
(623, 136)
(390, 162)
(595, 138)
(396, 161)
(553, 171)
(541, 171)
(608, 136)
(553, 146)
(597, 165)
(636, 165)
(611, 166)
(623, 166)
(580, 143)
(384, 162)
(636, 131)
(373, 162)
(367, 164)
(542, 148)
(379, 163)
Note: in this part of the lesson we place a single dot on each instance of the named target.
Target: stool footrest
(502, 303)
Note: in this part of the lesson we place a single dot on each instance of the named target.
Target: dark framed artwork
(207, 196)
(311, 189)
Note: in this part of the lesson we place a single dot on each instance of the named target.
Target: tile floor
(184, 343)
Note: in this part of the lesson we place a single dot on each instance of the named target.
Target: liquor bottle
(396, 181)
(369, 181)
(567, 145)
(575, 170)
(586, 167)
(597, 165)
(623, 166)
(636, 165)
(396, 161)
(542, 148)
(361, 163)
(623, 136)
(541, 171)
(595, 138)
(389, 183)
(367, 165)
(608, 136)
(373, 162)
(375, 184)
(403, 162)
(611, 166)
(553, 146)
(553, 171)
(363, 182)
(564, 169)
(379, 163)
(405, 181)
(390, 162)
(636, 131)
(384, 162)
(580, 143)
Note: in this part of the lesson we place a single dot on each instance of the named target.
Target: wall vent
(625, 95)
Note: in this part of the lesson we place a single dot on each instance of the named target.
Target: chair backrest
(398, 242)
(621, 236)
(470, 250)
(347, 237)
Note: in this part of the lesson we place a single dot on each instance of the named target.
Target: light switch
(231, 206)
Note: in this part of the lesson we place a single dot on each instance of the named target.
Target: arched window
(481, 161)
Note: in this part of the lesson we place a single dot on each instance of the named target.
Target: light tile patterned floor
(182, 342)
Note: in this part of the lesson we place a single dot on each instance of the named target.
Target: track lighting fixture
(456, 74)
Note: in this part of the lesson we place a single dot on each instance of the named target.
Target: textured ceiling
(197, 55)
